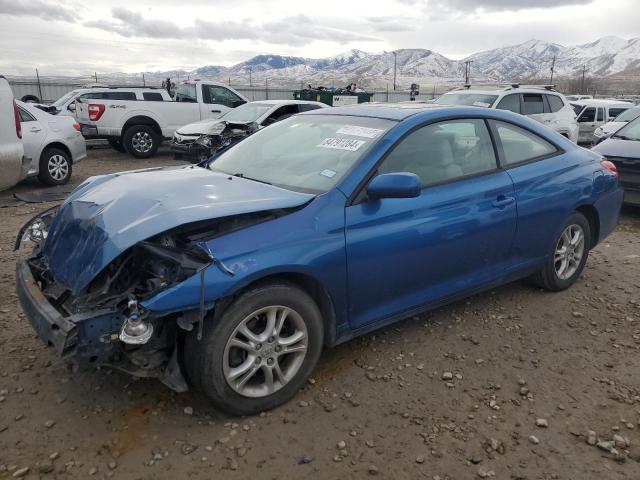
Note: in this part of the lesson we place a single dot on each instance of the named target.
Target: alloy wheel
(142, 142)
(569, 251)
(265, 351)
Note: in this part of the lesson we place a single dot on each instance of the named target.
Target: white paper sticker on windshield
(341, 143)
(328, 173)
(360, 131)
(481, 104)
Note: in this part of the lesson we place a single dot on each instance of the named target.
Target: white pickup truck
(139, 126)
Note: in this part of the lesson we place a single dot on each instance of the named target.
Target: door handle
(216, 111)
(35, 129)
(502, 201)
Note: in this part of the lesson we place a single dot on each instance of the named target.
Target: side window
(614, 112)
(588, 115)
(220, 95)
(25, 116)
(96, 95)
(152, 96)
(307, 107)
(510, 102)
(520, 145)
(443, 151)
(532, 103)
(119, 96)
(555, 103)
(600, 114)
(281, 113)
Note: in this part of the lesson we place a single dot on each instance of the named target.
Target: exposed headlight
(598, 132)
(204, 140)
(36, 229)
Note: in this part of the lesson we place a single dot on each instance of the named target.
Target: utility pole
(467, 71)
(395, 65)
(250, 84)
(553, 65)
(584, 68)
(39, 86)
(143, 82)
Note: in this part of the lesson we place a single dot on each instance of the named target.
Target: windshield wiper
(242, 175)
(622, 137)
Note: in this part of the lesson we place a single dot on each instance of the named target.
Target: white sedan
(54, 144)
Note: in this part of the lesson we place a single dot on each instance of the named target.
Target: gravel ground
(505, 385)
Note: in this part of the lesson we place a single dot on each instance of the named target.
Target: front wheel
(260, 352)
(569, 255)
(141, 141)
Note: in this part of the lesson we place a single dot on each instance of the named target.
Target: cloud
(299, 29)
(37, 8)
(494, 5)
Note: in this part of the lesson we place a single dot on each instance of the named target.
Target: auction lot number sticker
(349, 144)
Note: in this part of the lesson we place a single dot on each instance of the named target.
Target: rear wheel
(55, 167)
(260, 352)
(141, 141)
(569, 255)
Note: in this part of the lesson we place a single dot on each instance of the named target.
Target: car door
(453, 238)
(33, 136)
(543, 179)
(217, 100)
(586, 125)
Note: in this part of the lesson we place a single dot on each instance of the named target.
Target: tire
(30, 99)
(141, 141)
(552, 277)
(116, 145)
(210, 361)
(55, 167)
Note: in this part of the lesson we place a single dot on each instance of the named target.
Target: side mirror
(394, 185)
(237, 103)
(72, 107)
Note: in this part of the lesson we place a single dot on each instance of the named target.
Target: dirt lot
(506, 384)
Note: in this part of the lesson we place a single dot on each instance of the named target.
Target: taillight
(609, 166)
(95, 111)
(16, 115)
(76, 125)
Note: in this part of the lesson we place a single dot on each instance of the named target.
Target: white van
(14, 166)
(594, 113)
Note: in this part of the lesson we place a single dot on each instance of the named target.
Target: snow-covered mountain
(607, 56)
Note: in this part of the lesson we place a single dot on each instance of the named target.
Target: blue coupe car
(317, 229)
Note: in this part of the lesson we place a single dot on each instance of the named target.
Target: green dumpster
(333, 99)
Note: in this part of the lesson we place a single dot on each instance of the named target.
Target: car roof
(599, 102)
(388, 111)
(503, 90)
(288, 102)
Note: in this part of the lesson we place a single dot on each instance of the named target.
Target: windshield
(631, 131)
(308, 153)
(186, 93)
(628, 115)
(249, 112)
(471, 99)
(64, 99)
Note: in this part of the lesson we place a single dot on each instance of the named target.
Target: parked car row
(36, 143)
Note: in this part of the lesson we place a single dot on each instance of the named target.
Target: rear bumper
(89, 131)
(82, 335)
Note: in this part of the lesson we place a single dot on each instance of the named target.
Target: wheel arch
(591, 214)
(60, 146)
(311, 285)
(141, 120)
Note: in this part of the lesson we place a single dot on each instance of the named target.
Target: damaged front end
(201, 147)
(105, 324)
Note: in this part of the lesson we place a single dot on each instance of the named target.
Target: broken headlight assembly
(35, 231)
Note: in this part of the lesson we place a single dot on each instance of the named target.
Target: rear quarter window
(555, 103)
(520, 145)
(152, 96)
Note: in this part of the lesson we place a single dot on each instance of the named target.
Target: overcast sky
(75, 38)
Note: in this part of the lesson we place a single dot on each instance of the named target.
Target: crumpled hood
(615, 147)
(108, 214)
(203, 127)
